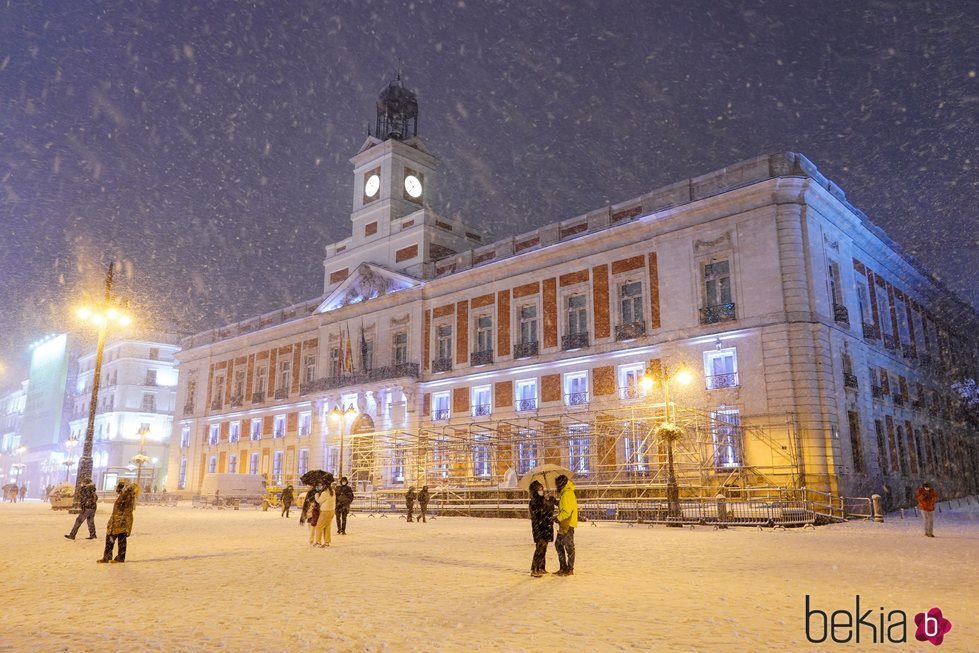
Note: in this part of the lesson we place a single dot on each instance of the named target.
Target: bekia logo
(870, 626)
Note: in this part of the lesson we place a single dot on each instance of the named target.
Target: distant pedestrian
(410, 501)
(345, 496)
(326, 498)
(423, 498)
(23, 492)
(541, 526)
(120, 522)
(287, 496)
(88, 501)
(927, 498)
(567, 519)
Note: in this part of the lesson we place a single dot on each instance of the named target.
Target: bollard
(721, 510)
(902, 513)
(878, 512)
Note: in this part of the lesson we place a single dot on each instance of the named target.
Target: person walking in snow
(88, 501)
(567, 519)
(120, 522)
(287, 496)
(410, 501)
(423, 498)
(541, 526)
(345, 496)
(326, 499)
(927, 498)
(23, 493)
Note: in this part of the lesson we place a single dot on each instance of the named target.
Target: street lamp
(141, 458)
(669, 433)
(70, 444)
(102, 316)
(339, 417)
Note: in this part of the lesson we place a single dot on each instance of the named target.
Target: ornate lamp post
(668, 433)
(102, 316)
(339, 417)
(70, 444)
(141, 458)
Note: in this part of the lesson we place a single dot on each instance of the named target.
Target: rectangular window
(214, 434)
(279, 426)
(717, 283)
(884, 311)
(726, 432)
(527, 450)
(253, 463)
(303, 461)
(184, 437)
(721, 368)
(635, 443)
(154, 353)
(261, 379)
(444, 337)
(277, 468)
(902, 449)
(234, 432)
(630, 302)
(881, 446)
(578, 449)
(400, 344)
(629, 380)
(481, 456)
(305, 423)
(219, 391)
(150, 377)
(336, 365)
(577, 314)
(148, 404)
(440, 406)
(212, 464)
(232, 464)
(398, 457)
(256, 432)
(484, 333)
(285, 375)
(856, 444)
(528, 324)
(576, 389)
(526, 398)
(863, 295)
(182, 474)
(903, 326)
(835, 287)
(238, 392)
(309, 369)
(482, 402)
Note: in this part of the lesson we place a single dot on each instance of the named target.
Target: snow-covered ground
(204, 580)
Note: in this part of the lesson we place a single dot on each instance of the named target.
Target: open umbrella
(316, 477)
(546, 474)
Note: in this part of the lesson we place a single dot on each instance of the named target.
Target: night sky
(205, 145)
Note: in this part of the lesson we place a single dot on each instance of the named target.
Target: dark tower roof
(397, 112)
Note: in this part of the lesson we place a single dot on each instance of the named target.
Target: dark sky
(206, 145)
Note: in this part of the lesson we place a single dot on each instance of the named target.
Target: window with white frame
(184, 437)
(399, 342)
(182, 474)
(232, 464)
(285, 375)
(279, 426)
(212, 464)
(528, 324)
(835, 286)
(527, 450)
(576, 389)
(253, 463)
(256, 432)
(482, 401)
(726, 432)
(903, 326)
(863, 296)
(721, 368)
(303, 461)
(577, 314)
(277, 467)
(219, 391)
(336, 364)
(481, 455)
(309, 368)
(149, 402)
(526, 395)
(150, 377)
(440, 406)
(214, 433)
(630, 302)
(261, 379)
(635, 444)
(484, 332)
(234, 432)
(629, 380)
(444, 341)
(238, 391)
(578, 449)
(154, 353)
(398, 456)
(717, 283)
(305, 423)
(884, 311)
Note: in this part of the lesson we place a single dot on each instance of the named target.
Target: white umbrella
(546, 474)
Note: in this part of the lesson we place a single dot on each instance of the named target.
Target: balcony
(282, 393)
(850, 380)
(877, 392)
(870, 331)
(482, 410)
(403, 370)
(526, 404)
(629, 331)
(440, 415)
(258, 397)
(574, 341)
(721, 381)
(719, 313)
(576, 399)
(441, 365)
(484, 357)
(217, 404)
(526, 349)
(630, 392)
(841, 315)
(236, 402)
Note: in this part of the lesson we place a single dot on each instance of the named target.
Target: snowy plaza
(203, 580)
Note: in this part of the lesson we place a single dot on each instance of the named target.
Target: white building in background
(11, 417)
(135, 408)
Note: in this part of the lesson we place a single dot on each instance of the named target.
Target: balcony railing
(849, 380)
(282, 393)
(482, 410)
(574, 341)
(898, 399)
(721, 381)
(403, 370)
(526, 404)
(258, 397)
(877, 392)
(719, 313)
(870, 331)
(441, 365)
(440, 415)
(526, 349)
(484, 357)
(890, 341)
(630, 392)
(576, 399)
(629, 331)
(841, 315)
(236, 401)
(216, 404)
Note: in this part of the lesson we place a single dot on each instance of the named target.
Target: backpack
(314, 513)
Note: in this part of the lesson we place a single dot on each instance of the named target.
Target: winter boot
(69, 537)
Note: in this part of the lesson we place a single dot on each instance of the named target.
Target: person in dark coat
(410, 501)
(287, 496)
(120, 522)
(307, 506)
(88, 501)
(345, 496)
(23, 492)
(542, 527)
(423, 498)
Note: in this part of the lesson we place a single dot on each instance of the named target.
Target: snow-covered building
(820, 355)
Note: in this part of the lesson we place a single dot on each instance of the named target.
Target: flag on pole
(348, 357)
(363, 349)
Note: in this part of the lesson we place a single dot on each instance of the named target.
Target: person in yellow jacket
(567, 520)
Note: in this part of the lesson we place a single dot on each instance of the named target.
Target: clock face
(372, 185)
(413, 186)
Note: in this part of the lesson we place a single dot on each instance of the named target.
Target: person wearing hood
(326, 499)
(423, 498)
(410, 501)
(345, 496)
(120, 522)
(287, 496)
(88, 501)
(926, 497)
(541, 526)
(567, 520)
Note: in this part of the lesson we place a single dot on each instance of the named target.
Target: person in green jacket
(567, 520)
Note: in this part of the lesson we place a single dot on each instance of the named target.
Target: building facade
(818, 355)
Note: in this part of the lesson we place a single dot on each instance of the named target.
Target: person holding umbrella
(542, 527)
